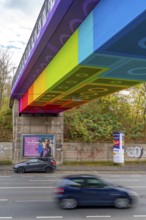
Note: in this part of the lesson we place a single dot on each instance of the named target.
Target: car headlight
(132, 193)
(16, 166)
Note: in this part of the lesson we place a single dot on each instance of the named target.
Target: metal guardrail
(46, 8)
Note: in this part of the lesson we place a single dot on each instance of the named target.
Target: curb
(133, 169)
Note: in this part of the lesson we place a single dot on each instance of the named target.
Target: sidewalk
(8, 169)
(124, 168)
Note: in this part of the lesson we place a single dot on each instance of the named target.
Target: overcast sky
(17, 19)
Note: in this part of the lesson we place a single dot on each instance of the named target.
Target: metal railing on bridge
(46, 9)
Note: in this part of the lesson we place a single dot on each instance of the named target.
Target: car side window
(41, 161)
(32, 161)
(94, 183)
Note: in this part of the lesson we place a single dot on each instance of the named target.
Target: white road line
(50, 177)
(5, 176)
(45, 217)
(136, 175)
(27, 187)
(136, 186)
(27, 176)
(54, 176)
(3, 200)
(6, 217)
(139, 216)
(122, 176)
(126, 180)
(51, 200)
(99, 216)
(43, 180)
(108, 175)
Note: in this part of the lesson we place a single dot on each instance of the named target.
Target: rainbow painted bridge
(81, 50)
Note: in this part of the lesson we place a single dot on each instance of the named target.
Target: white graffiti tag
(136, 152)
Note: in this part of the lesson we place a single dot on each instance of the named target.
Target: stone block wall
(34, 124)
(101, 152)
(6, 151)
(81, 152)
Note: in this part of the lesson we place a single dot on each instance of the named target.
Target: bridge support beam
(35, 125)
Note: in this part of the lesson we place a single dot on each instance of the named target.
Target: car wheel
(122, 203)
(68, 203)
(48, 170)
(20, 170)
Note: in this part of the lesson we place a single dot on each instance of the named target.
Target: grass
(102, 163)
(5, 162)
(88, 163)
(137, 162)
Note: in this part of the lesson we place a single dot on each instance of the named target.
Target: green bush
(5, 162)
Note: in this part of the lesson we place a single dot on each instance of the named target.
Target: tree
(97, 120)
(5, 78)
(5, 88)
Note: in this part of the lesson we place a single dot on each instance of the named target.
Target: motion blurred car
(36, 165)
(90, 190)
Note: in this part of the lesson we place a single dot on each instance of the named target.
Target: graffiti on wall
(81, 153)
(88, 154)
(135, 152)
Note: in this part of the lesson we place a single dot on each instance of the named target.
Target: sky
(17, 19)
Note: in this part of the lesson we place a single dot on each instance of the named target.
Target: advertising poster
(39, 145)
(118, 147)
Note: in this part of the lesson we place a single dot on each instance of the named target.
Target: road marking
(51, 176)
(5, 176)
(51, 200)
(122, 175)
(45, 217)
(126, 180)
(27, 187)
(6, 217)
(3, 200)
(139, 216)
(136, 186)
(136, 175)
(27, 176)
(98, 216)
(42, 180)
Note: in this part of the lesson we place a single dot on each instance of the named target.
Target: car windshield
(106, 183)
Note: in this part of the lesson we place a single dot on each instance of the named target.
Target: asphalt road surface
(30, 196)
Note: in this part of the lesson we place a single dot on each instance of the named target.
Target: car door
(73, 189)
(33, 165)
(95, 192)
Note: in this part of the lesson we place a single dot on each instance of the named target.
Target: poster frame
(51, 137)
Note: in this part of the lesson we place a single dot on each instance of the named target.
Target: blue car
(89, 190)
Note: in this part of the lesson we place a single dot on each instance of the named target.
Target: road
(29, 196)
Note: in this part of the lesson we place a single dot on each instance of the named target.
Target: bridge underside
(105, 54)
